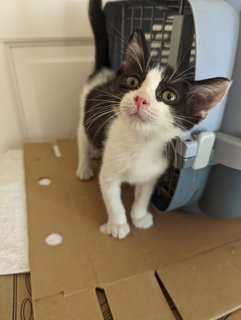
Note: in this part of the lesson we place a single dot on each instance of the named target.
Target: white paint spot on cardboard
(44, 182)
(54, 239)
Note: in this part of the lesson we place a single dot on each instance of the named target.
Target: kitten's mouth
(137, 115)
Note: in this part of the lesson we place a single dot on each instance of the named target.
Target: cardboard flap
(138, 297)
(207, 286)
(83, 306)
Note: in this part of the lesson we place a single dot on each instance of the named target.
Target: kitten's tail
(97, 21)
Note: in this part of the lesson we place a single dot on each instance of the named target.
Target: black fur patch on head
(135, 60)
(136, 53)
(194, 99)
(103, 101)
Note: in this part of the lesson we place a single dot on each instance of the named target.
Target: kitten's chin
(139, 118)
(139, 123)
(164, 132)
(149, 124)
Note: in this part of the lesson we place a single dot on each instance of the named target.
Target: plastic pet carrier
(200, 37)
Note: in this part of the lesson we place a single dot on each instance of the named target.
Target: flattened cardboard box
(196, 259)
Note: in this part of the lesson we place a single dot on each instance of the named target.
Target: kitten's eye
(169, 96)
(132, 82)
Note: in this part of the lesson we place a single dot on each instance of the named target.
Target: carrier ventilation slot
(157, 23)
(165, 188)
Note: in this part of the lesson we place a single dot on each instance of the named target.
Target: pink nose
(141, 102)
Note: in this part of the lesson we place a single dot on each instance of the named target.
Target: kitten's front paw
(84, 173)
(119, 231)
(144, 222)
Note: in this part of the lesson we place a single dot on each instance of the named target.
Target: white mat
(13, 216)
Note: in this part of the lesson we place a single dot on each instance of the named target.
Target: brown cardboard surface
(82, 305)
(234, 316)
(210, 280)
(15, 297)
(138, 297)
(50, 211)
(125, 269)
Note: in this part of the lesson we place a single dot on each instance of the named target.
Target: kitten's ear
(136, 52)
(205, 94)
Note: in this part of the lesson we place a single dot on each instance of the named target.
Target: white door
(46, 53)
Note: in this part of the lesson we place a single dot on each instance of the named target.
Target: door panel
(50, 79)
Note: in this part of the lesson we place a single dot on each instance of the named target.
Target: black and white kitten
(131, 115)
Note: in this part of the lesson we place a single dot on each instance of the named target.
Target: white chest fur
(132, 157)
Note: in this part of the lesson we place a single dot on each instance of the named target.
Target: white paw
(84, 173)
(144, 222)
(119, 231)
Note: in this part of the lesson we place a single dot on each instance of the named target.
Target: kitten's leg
(84, 170)
(94, 152)
(117, 225)
(141, 218)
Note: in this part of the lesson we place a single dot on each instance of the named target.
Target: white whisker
(178, 66)
(89, 122)
(103, 124)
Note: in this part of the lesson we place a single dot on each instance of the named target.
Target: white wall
(46, 52)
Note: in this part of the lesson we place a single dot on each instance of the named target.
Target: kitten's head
(158, 100)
